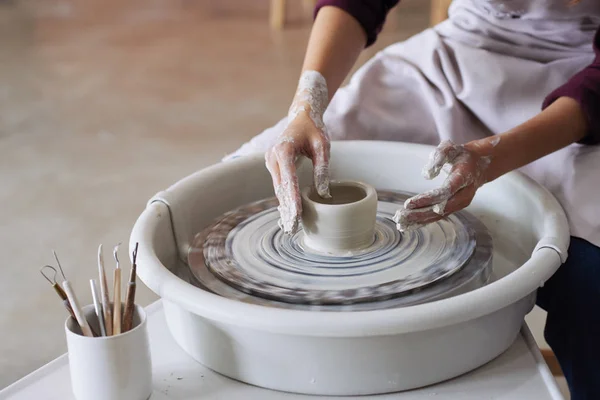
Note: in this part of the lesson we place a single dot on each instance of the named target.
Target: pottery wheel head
(245, 252)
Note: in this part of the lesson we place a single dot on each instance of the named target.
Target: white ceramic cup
(110, 367)
(342, 224)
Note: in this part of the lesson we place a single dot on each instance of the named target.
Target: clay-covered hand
(305, 135)
(468, 165)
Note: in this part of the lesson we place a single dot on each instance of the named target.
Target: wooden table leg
(309, 6)
(552, 362)
(439, 11)
(277, 14)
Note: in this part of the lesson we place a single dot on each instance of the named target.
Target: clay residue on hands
(467, 167)
(445, 152)
(312, 96)
(288, 209)
(311, 99)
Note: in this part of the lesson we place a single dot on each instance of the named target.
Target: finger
(290, 204)
(273, 168)
(428, 199)
(458, 178)
(407, 220)
(455, 203)
(403, 226)
(321, 168)
(440, 208)
(280, 192)
(459, 201)
(420, 216)
(435, 196)
(445, 153)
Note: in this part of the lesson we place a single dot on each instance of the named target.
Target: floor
(103, 104)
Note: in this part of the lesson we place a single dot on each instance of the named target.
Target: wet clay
(343, 223)
(340, 195)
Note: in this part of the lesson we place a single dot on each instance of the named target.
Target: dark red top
(584, 87)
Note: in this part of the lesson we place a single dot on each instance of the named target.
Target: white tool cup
(114, 367)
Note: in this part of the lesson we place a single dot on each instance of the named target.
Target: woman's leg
(572, 299)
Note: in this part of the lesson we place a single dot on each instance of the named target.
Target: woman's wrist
(311, 98)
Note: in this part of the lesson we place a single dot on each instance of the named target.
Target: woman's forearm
(558, 126)
(335, 43)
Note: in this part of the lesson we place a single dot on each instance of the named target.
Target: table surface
(519, 373)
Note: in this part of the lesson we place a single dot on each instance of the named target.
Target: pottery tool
(98, 307)
(79, 317)
(117, 294)
(106, 307)
(59, 266)
(130, 297)
(61, 293)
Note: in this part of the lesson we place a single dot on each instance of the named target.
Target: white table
(519, 373)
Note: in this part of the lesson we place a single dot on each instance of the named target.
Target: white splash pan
(350, 353)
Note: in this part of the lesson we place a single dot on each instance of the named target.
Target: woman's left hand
(558, 126)
(468, 164)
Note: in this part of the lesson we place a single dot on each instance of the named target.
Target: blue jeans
(572, 299)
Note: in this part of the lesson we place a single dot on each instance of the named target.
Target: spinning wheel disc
(244, 251)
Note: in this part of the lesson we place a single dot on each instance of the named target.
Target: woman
(475, 85)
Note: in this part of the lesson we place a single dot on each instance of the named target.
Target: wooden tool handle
(129, 307)
(83, 324)
(117, 303)
(61, 293)
(69, 308)
(65, 299)
(105, 297)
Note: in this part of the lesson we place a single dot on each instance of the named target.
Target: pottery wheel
(246, 250)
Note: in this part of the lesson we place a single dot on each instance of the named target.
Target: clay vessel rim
(368, 189)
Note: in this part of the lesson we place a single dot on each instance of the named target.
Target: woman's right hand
(300, 138)
(336, 40)
(305, 135)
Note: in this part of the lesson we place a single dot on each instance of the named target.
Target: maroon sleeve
(584, 87)
(370, 14)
